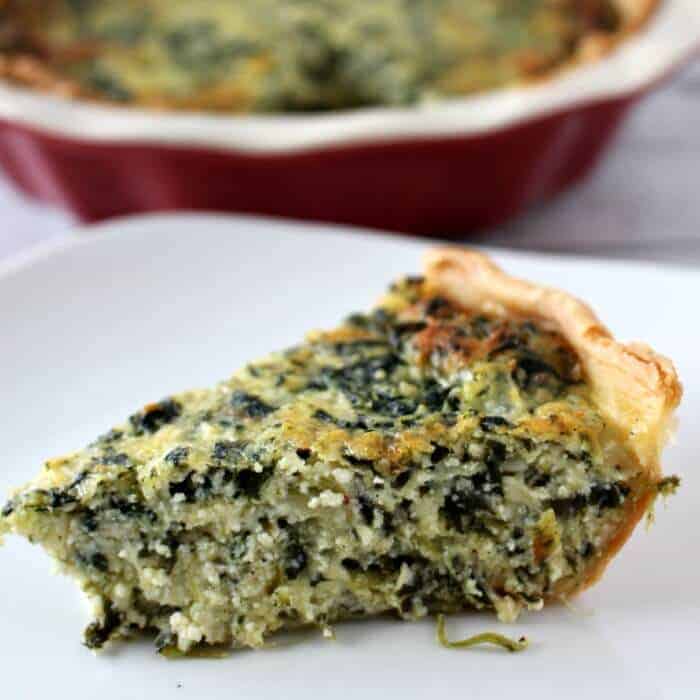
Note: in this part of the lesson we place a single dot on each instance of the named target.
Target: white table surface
(642, 203)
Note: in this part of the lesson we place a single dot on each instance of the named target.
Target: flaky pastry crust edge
(635, 389)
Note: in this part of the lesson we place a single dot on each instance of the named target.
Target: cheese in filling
(417, 459)
(281, 55)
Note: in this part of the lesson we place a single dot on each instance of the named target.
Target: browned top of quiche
(285, 55)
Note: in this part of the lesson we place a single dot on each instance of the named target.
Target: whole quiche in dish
(475, 441)
(286, 55)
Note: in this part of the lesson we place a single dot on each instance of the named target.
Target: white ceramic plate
(136, 309)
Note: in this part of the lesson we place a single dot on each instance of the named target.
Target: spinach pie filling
(291, 55)
(418, 459)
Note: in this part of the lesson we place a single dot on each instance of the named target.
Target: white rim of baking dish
(670, 38)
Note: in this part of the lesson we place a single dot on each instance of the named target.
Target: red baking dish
(443, 168)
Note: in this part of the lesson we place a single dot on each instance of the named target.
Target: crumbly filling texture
(417, 459)
(283, 55)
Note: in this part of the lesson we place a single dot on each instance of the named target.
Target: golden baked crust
(635, 389)
(40, 69)
(636, 13)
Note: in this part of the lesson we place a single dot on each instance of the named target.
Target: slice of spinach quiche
(475, 441)
(287, 55)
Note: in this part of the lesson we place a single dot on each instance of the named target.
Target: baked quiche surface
(289, 55)
(475, 441)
